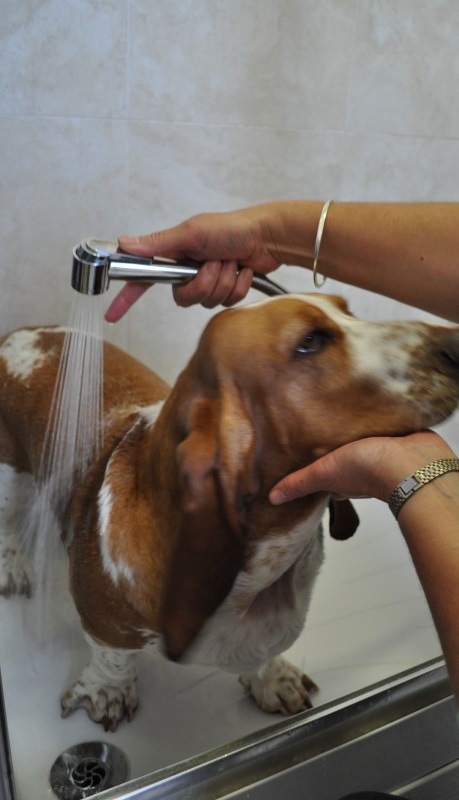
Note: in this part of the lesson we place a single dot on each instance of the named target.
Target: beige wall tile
(405, 68)
(63, 58)
(64, 181)
(239, 62)
(131, 115)
(404, 168)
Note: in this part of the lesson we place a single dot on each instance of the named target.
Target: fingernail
(277, 498)
(129, 240)
(110, 317)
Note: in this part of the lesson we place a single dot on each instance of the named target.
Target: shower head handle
(96, 262)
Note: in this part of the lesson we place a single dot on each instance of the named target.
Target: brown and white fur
(176, 546)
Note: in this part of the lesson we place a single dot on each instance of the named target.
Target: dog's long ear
(344, 520)
(210, 547)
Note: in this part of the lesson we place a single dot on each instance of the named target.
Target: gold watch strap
(419, 478)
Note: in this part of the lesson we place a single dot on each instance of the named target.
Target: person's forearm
(407, 251)
(429, 519)
(430, 524)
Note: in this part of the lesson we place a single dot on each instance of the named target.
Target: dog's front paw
(279, 686)
(107, 705)
(106, 689)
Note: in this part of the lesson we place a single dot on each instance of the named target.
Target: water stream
(74, 434)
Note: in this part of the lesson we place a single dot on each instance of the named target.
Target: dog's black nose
(449, 350)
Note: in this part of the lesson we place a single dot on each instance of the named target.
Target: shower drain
(87, 769)
(90, 774)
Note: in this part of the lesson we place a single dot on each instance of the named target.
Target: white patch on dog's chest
(266, 608)
(22, 353)
(116, 568)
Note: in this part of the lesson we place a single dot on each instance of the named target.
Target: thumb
(296, 484)
(171, 242)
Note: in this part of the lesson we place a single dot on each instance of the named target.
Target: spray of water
(73, 437)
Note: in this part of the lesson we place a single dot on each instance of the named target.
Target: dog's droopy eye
(311, 343)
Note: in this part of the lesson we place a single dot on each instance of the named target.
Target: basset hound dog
(176, 547)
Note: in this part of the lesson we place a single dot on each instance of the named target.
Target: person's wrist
(386, 461)
(407, 461)
(292, 226)
(418, 479)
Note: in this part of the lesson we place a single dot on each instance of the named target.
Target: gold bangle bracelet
(318, 242)
(419, 478)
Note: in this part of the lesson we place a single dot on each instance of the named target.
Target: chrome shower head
(96, 262)
(91, 261)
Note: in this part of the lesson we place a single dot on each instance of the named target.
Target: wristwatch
(409, 485)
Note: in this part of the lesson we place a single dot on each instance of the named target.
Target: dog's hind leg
(16, 489)
(106, 687)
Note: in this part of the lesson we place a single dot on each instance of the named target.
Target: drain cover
(87, 769)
